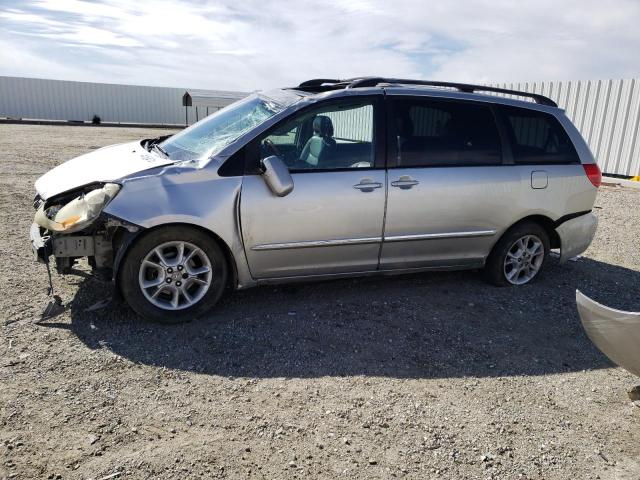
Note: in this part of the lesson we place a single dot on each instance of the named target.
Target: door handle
(367, 185)
(404, 182)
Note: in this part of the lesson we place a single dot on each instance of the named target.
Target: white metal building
(34, 98)
(607, 112)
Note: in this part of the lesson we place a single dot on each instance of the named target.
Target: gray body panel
(326, 228)
(615, 332)
(576, 235)
(454, 215)
(196, 196)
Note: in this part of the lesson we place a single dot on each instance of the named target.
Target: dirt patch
(424, 376)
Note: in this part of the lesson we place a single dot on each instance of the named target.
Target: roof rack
(317, 82)
(323, 84)
(317, 85)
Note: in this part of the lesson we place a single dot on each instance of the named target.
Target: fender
(187, 195)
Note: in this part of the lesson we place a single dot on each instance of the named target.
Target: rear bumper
(615, 332)
(40, 246)
(576, 235)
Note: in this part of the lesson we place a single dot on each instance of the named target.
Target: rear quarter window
(537, 137)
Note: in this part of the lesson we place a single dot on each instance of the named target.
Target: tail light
(593, 173)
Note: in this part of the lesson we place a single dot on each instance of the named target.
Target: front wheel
(518, 256)
(173, 274)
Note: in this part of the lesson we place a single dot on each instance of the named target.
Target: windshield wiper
(157, 147)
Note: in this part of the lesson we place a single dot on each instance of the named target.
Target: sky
(246, 45)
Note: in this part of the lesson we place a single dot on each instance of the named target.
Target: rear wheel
(518, 256)
(173, 274)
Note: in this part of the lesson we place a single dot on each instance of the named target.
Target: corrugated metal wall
(607, 113)
(355, 124)
(34, 98)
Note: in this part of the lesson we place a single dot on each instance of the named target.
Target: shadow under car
(431, 325)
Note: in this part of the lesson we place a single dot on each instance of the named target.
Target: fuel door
(539, 179)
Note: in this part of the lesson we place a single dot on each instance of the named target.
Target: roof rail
(320, 85)
(318, 82)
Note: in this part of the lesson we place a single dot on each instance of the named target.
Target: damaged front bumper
(616, 333)
(73, 225)
(40, 245)
(66, 249)
(98, 244)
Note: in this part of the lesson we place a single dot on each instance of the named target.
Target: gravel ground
(424, 376)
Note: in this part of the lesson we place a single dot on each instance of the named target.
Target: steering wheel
(272, 147)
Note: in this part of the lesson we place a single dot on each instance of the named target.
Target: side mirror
(276, 175)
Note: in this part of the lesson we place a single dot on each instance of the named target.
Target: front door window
(333, 137)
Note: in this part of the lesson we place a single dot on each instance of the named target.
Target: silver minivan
(329, 179)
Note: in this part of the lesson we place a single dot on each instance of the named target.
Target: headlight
(79, 212)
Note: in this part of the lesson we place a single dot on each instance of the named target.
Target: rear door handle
(404, 182)
(367, 185)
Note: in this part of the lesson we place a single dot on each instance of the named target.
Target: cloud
(262, 44)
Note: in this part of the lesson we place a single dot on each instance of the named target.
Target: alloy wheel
(175, 275)
(523, 260)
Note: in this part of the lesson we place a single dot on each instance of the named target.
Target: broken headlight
(79, 212)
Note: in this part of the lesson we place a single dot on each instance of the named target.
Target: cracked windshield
(215, 132)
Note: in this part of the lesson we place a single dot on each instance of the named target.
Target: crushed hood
(103, 165)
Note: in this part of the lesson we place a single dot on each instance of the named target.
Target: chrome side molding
(435, 236)
(317, 243)
(360, 241)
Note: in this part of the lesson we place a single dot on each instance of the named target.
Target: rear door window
(537, 137)
(444, 133)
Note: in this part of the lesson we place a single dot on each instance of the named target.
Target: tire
(182, 282)
(522, 267)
